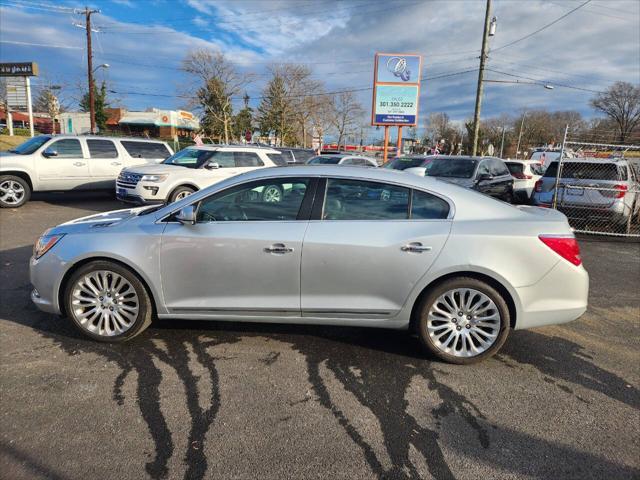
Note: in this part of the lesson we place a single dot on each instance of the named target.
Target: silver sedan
(341, 246)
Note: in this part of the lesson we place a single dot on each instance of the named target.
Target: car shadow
(374, 366)
(97, 201)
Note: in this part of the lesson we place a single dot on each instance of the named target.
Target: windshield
(452, 167)
(324, 160)
(402, 163)
(189, 157)
(31, 145)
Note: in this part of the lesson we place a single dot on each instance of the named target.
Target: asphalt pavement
(193, 400)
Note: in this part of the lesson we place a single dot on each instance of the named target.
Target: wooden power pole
(92, 108)
(483, 57)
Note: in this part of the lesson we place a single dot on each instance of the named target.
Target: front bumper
(137, 199)
(45, 273)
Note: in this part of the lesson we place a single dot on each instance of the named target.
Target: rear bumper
(561, 296)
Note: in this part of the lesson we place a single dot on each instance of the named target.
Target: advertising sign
(396, 89)
(16, 93)
(21, 69)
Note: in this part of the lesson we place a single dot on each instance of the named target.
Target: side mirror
(50, 152)
(485, 176)
(187, 215)
(212, 166)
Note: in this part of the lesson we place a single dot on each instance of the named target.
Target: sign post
(396, 93)
(19, 89)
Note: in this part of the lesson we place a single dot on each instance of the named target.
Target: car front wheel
(180, 193)
(14, 191)
(107, 302)
(463, 320)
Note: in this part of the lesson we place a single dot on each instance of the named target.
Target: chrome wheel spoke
(463, 322)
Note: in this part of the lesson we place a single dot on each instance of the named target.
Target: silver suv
(600, 189)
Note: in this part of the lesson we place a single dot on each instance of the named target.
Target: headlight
(154, 178)
(45, 243)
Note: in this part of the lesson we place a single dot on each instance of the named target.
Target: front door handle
(116, 163)
(415, 247)
(79, 164)
(278, 248)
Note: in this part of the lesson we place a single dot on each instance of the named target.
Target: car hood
(463, 182)
(155, 168)
(100, 220)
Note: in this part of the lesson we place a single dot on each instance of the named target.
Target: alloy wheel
(183, 194)
(463, 322)
(272, 195)
(11, 192)
(104, 303)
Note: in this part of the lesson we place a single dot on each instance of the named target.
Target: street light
(104, 65)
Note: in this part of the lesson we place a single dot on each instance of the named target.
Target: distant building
(153, 123)
(76, 123)
(41, 121)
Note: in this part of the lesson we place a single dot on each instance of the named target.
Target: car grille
(128, 179)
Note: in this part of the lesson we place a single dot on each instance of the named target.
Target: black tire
(145, 308)
(272, 193)
(455, 283)
(180, 191)
(8, 181)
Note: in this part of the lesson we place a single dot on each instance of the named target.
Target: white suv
(70, 162)
(192, 169)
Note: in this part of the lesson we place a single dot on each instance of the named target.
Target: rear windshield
(515, 167)
(589, 171)
(277, 158)
(325, 160)
(402, 163)
(452, 167)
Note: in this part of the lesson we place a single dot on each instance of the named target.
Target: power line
(555, 84)
(30, 44)
(542, 28)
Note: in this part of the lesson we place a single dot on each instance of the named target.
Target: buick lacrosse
(340, 246)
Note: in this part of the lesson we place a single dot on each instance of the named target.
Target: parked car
(296, 155)
(70, 162)
(488, 175)
(596, 189)
(525, 174)
(190, 170)
(343, 246)
(415, 164)
(341, 159)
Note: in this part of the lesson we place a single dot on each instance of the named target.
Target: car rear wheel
(272, 194)
(180, 193)
(107, 302)
(14, 191)
(463, 320)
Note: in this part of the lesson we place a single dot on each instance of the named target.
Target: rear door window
(247, 159)
(224, 159)
(277, 158)
(151, 150)
(425, 206)
(361, 200)
(102, 149)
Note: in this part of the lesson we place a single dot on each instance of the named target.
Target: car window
(586, 170)
(189, 157)
(325, 160)
(146, 149)
(247, 159)
(67, 148)
(102, 149)
(497, 167)
(287, 156)
(402, 163)
(483, 168)
(515, 167)
(263, 200)
(224, 159)
(277, 158)
(360, 200)
(452, 167)
(425, 206)
(536, 168)
(349, 161)
(303, 155)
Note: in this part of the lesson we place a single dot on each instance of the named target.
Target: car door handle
(79, 164)
(116, 163)
(415, 247)
(278, 248)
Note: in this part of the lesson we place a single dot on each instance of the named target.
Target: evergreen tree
(100, 104)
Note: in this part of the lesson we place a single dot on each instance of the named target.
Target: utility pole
(483, 57)
(502, 143)
(92, 108)
(524, 114)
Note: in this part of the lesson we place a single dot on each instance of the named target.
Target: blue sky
(145, 40)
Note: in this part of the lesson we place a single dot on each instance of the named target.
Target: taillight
(621, 190)
(566, 247)
(538, 186)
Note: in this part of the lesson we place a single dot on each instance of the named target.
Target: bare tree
(218, 83)
(621, 103)
(346, 114)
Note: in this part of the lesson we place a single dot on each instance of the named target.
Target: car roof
(593, 160)
(234, 147)
(103, 137)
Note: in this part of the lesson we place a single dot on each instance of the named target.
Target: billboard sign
(396, 89)
(16, 93)
(20, 69)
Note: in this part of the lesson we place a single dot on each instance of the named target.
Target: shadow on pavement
(375, 366)
(97, 201)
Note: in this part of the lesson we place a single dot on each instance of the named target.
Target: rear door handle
(278, 248)
(415, 247)
(116, 163)
(79, 164)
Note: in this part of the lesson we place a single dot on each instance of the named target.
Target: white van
(71, 162)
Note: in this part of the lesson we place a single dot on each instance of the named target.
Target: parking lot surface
(237, 401)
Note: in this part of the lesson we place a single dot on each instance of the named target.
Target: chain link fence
(599, 189)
